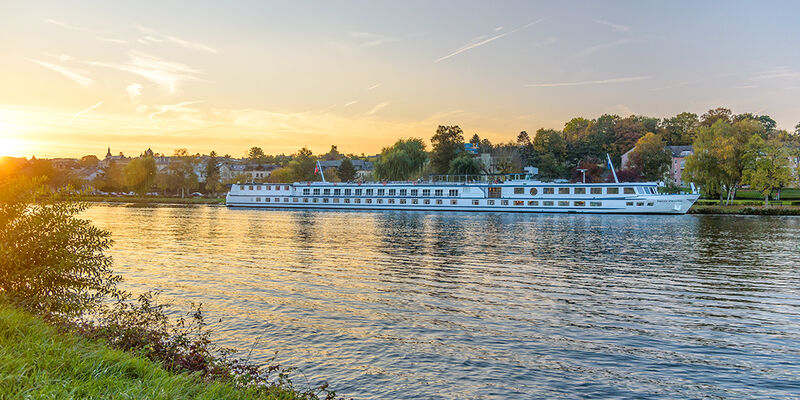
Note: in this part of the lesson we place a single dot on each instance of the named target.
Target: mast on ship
(611, 165)
(321, 172)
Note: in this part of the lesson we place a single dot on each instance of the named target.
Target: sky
(79, 76)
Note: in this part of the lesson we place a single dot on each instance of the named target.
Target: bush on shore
(53, 264)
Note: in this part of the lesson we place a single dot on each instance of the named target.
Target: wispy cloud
(614, 27)
(604, 46)
(177, 108)
(777, 73)
(111, 40)
(482, 40)
(369, 39)
(73, 75)
(350, 103)
(134, 90)
(378, 107)
(154, 36)
(375, 86)
(585, 83)
(68, 26)
(166, 74)
(84, 111)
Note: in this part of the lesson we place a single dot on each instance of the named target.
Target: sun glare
(11, 147)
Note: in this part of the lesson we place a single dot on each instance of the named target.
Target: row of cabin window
(535, 203)
(258, 187)
(545, 203)
(379, 192)
(578, 190)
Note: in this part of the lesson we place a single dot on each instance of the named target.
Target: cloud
(134, 90)
(112, 40)
(74, 76)
(157, 37)
(67, 26)
(350, 103)
(378, 107)
(604, 46)
(375, 86)
(777, 73)
(177, 108)
(79, 113)
(614, 27)
(482, 40)
(585, 83)
(369, 39)
(166, 74)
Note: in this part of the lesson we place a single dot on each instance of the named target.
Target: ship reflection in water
(456, 305)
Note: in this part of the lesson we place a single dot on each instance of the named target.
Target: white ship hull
(514, 196)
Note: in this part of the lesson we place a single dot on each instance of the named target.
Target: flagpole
(321, 172)
(611, 165)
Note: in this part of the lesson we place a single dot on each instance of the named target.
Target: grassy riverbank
(38, 362)
(744, 210)
(153, 199)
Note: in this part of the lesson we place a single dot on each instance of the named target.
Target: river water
(401, 305)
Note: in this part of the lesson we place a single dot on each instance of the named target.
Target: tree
(331, 175)
(180, 173)
(718, 114)
(51, 261)
(447, 143)
(281, 175)
(402, 160)
(506, 159)
(465, 164)
(89, 161)
(476, 140)
(550, 153)
(303, 165)
(627, 132)
(333, 154)
(650, 158)
(593, 173)
(112, 179)
(767, 167)
(797, 129)
(346, 171)
(213, 178)
(140, 174)
(680, 128)
(256, 155)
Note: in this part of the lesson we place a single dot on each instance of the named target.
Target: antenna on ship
(611, 165)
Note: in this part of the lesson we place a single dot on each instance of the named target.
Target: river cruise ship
(511, 194)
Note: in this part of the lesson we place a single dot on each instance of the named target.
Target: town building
(678, 162)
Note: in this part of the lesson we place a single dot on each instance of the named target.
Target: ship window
(563, 203)
(347, 201)
(628, 203)
(277, 200)
(258, 199)
(580, 190)
(438, 192)
(295, 200)
(369, 192)
(426, 192)
(241, 187)
(335, 200)
(613, 190)
(306, 192)
(286, 187)
(402, 201)
(453, 201)
(519, 202)
(403, 192)
(650, 203)
(475, 202)
(258, 187)
(438, 201)
(357, 201)
(579, 204)
(337, 192)
(358, 192)
(597, 190)
(427, 201)
(453, 192)
(504, 202)
(305, 199)
(533, 203)
(316, 192)
(414, 201)
(547, 203)
(414, 192)
(381, 192)
(369, 201)
(326, 200)
(494, 192)
(534, 192)
(563, 190)
(251, 188)
(629, 191)
(490, 202)
(270, 187)
(347, 192)
(327, 192)
(548, 190)
(595, 204)
(379, 201)
(316, 200)
(391, 192)
(519, 190)
(285, 199)
(640, 203)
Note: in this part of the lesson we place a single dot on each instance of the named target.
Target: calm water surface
(388, 305)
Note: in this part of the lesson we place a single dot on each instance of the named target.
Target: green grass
(37, 362)
(786, 194)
